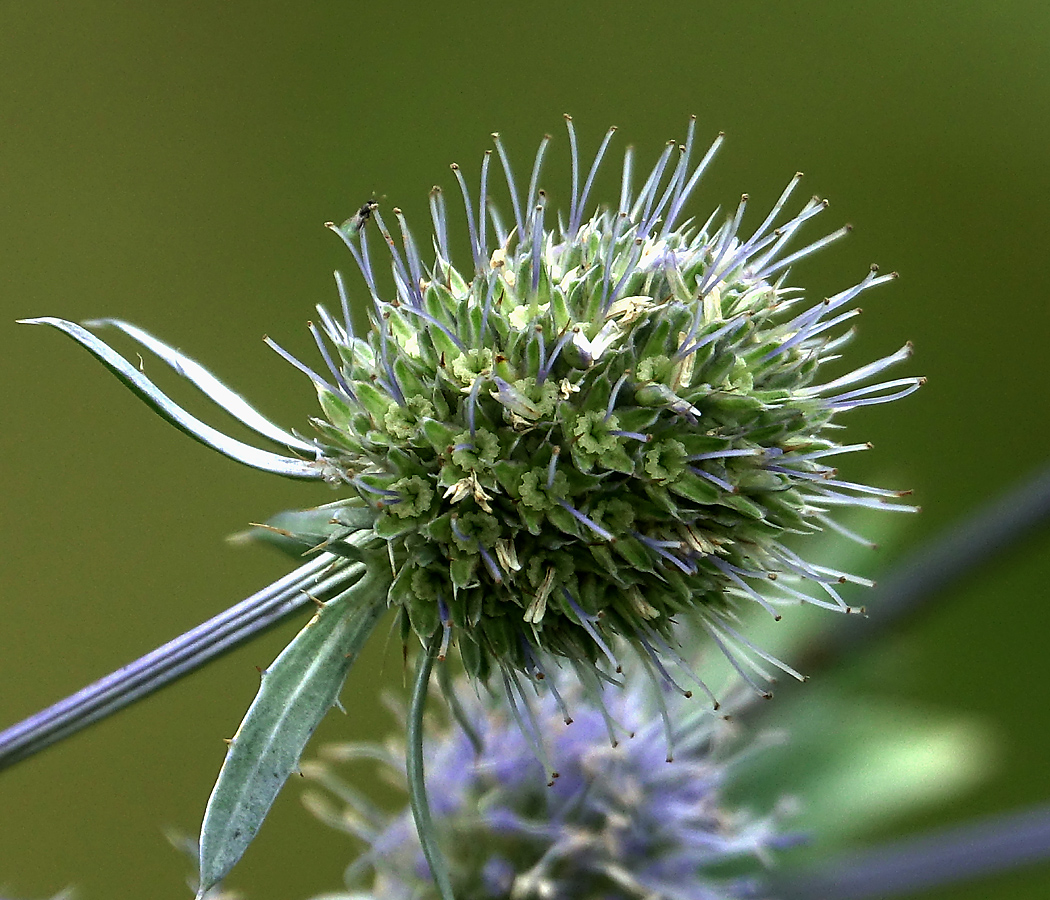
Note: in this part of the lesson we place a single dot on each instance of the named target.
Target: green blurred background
(171, 164)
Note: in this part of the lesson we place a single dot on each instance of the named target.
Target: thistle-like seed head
(597, 424)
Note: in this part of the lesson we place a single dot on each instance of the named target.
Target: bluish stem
(417, 789)
(319, 578)
(959, 551)
(911, 865)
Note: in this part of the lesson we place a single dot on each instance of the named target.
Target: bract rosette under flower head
(601, 422)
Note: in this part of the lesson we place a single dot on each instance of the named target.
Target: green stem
(417, 789)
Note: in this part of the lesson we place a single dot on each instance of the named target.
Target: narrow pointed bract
(177, 416)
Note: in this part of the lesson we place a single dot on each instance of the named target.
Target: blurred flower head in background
(625, 821)
(622, 821)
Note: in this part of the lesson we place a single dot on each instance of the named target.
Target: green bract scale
(598, 423)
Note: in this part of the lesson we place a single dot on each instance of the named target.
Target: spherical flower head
(597, 424)
(619, 824)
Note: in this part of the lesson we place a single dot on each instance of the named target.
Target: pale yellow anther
(566, 389)
(507, 555)
(682, 373)
(456, 492)
(480, 497)
(712, 305)
(538, 606)
(627, 309)
(469, 487)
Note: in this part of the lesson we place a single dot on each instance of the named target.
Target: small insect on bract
(357, 221)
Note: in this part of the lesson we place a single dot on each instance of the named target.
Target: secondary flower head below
(620, 823)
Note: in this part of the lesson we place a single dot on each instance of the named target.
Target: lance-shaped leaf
(296, 691)
(232, 402)
(164, 406)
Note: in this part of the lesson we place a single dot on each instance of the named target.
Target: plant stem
(319, 578)
(903, 867)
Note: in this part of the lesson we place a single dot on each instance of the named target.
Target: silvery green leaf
(296, 691)
(193, 371)
(163, 405)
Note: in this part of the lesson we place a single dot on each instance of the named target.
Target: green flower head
(624, 359)
(632, 402)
